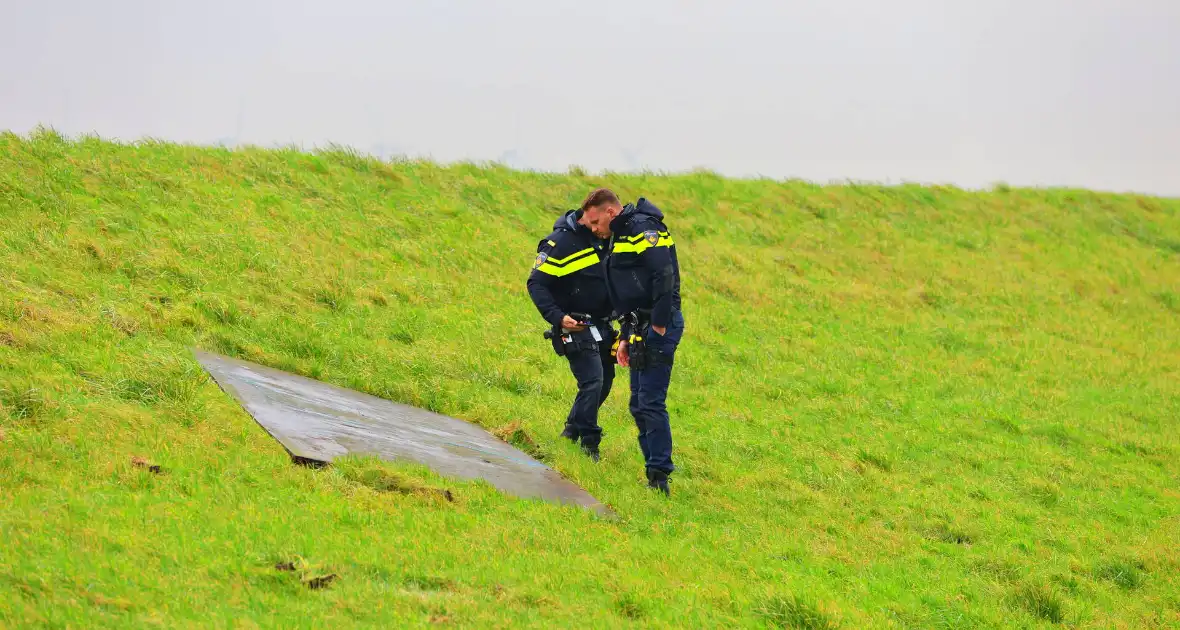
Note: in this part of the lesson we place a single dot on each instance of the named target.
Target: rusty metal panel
(317, 422)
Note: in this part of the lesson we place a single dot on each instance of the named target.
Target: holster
(568, 342)
(554, 337)
(638, 326)
(637, 352)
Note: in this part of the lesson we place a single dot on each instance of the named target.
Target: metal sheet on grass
(318, 422)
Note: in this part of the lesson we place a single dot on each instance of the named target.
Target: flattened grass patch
(372, 473)
(516, 435)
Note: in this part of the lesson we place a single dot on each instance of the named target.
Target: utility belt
(597, 330)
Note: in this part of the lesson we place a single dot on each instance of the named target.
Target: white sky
(1040, 92)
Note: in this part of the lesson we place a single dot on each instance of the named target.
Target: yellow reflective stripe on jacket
(641, 237)
(563, 268)
(631, 246)
(562, 261)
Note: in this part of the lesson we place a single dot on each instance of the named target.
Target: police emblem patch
(541, 258)
(652, 237)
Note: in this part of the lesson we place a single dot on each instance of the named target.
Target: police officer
(568, 287)
(643, 276)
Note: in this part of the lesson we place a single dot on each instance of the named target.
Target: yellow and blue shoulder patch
(651, 236)
(541, 258)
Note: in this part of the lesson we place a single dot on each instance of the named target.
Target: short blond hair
(600, 197)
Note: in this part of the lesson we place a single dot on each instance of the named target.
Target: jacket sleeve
(658, 260)
(540, 287)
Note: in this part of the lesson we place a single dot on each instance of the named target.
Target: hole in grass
(1127, 574)
(795, 612)
(1041, 602)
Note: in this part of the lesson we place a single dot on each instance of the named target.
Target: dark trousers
(595, 372)
(649, 389)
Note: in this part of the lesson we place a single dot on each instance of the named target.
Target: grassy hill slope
(894, 406)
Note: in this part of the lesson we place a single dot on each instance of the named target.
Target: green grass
(906, 406)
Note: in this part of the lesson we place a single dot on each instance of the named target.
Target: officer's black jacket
(642, 270)
(568, 276)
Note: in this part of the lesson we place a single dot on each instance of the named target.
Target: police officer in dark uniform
(568, 287)
(643, 276)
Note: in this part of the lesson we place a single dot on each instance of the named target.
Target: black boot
(591, 452)
(658, 480)
(570, 433)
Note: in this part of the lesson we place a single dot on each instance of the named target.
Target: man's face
(598, 219)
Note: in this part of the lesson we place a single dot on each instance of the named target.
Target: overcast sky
(1040, 92)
